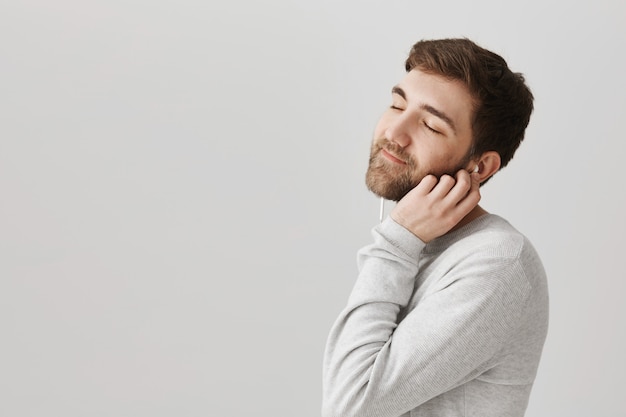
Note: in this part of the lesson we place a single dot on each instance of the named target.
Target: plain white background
(182, 194)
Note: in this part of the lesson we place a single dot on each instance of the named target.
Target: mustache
(394, 149)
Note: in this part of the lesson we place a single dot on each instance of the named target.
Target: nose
(398, 131)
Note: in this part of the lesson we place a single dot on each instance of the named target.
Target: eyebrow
(427, 107)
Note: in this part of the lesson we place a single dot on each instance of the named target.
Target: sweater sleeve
(379, 367)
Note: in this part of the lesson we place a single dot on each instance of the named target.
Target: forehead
(451, 97)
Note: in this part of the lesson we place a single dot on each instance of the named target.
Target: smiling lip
(391, 157)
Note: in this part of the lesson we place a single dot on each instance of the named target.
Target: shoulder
(489, 235)
(491, 245)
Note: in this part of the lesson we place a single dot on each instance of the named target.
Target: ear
(488, 164)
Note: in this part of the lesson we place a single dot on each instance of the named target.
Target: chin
(391, 196)
(388, 180)
(387, 188)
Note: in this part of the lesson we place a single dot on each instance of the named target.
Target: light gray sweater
(450, 328)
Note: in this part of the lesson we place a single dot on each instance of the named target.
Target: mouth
(392, 157)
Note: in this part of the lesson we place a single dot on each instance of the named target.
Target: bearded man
(449, 313)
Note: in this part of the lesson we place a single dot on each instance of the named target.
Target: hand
(433, 208)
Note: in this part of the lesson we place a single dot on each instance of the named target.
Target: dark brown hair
(503, 101)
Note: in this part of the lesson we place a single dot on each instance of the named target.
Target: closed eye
(432, 130)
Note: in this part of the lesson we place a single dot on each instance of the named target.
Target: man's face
(426, 130)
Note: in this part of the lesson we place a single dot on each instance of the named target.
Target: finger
(427, 184)
(443, 187)
(461, 188)
(473, 197)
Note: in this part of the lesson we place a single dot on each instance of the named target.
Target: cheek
(428, 158)
(438, 160)
(439, 152)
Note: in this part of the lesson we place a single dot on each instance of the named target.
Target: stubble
(391, 180)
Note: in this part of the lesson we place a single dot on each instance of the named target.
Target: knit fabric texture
(452, 328)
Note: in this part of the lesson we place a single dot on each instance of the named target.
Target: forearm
(358, 340)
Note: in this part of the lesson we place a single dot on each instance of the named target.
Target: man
(449, 313)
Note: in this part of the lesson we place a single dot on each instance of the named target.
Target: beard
(391, 180)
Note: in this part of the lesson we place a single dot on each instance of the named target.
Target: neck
(472, 215)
